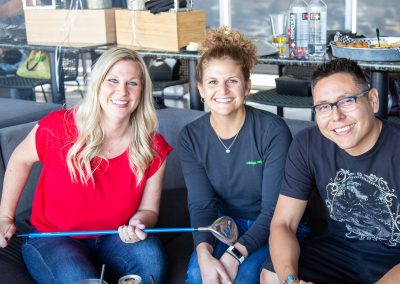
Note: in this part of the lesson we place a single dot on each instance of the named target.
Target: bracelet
(290, 279)
(236, 254)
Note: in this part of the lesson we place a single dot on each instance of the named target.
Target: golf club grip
(102, 232)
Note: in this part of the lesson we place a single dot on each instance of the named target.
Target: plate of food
(367, 49)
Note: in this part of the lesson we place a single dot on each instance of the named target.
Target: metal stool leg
(279, 111)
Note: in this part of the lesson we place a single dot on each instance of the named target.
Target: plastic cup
(130, 279)
(99, 4)
(279, 33)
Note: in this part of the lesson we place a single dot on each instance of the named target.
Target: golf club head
(225, 230)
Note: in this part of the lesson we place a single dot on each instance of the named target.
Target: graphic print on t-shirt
(366, 205)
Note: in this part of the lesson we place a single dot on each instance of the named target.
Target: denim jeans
(67, 260)
(249, 270)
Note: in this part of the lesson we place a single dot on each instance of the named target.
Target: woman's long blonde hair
(90, 137)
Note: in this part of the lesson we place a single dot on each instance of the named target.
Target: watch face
(237, 252)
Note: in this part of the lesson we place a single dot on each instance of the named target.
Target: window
(372, 14)
(251, 17)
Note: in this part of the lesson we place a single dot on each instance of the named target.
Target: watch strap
(236, 254)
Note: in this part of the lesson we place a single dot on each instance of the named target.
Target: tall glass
(279, 33)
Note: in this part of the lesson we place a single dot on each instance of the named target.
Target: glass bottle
(317, 16)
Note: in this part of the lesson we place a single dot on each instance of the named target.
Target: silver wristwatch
(236, 254)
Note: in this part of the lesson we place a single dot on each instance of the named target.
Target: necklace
(228, 149)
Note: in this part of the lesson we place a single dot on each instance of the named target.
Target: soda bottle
(298, 29)
(317, 16)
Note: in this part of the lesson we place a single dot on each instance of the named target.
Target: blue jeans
(249, 270)
(67, 260)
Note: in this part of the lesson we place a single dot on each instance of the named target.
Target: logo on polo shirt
(253, 163)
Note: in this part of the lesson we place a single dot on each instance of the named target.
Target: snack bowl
(374, 53)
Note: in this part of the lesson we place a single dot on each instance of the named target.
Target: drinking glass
(279, 33)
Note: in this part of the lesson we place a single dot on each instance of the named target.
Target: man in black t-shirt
(353, 159)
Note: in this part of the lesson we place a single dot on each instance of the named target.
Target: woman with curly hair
(103, 165)
(233, 160)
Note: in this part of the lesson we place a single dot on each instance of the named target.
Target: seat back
(70, 64)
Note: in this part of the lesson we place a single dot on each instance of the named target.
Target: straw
(102, 273)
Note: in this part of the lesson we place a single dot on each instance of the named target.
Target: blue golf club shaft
(102, 232)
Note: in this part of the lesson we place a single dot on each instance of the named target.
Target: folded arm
(147, 213)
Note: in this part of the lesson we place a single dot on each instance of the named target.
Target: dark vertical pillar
(379, 80)
(195, 102)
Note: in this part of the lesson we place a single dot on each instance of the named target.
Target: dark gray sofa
(173, 211)
(13, 112)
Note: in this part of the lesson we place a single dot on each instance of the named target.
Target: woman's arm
(276, 142)
(212, 270)
(150, 205)
(147, 213)
(202, 199)
(17, 173)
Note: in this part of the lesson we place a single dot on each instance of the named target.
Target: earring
(202, 99)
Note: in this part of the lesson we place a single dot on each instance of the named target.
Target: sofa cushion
(179, 251)
(12, 266)
(315, 207)
(296, 125)
(13, 112)
(171, 122)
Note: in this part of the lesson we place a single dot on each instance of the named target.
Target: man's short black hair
(340, 65)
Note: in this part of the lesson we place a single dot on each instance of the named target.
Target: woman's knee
(147, 258)
(61, 263)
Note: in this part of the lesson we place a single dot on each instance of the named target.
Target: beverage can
(130, 279)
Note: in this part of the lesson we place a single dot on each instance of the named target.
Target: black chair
(165, 74)
(395, 119)
(273, 98)
(13, 81)
(71, 69)
(70, 66)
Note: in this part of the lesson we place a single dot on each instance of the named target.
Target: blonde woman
(103, 165)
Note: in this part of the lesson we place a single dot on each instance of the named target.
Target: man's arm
(391, 277)
(283, 244)
(11, 8)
